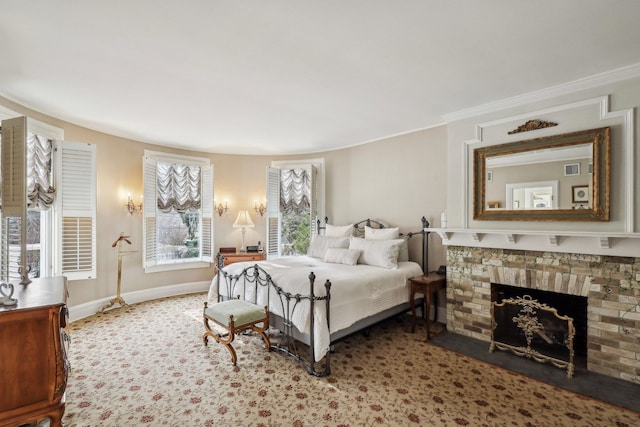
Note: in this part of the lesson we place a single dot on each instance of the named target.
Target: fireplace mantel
(597, 243)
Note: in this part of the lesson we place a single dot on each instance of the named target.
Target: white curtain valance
(40, 191)
(178, 187)
(295, 191)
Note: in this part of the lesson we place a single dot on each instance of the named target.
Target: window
(55, 199)
(178, 212)
(293, 199)
(35, 249)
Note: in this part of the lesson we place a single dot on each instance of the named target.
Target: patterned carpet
(146, 365)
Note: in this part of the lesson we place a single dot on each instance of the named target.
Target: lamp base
(243, 248)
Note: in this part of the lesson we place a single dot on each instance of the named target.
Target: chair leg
(225, 339)
(234, 357)
(208, 332)
(265, 337)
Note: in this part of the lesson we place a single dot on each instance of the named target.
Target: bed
(317, 299)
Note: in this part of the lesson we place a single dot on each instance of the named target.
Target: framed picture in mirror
(580, 193)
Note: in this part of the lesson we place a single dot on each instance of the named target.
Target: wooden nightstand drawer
(230, 258)
(242, 257)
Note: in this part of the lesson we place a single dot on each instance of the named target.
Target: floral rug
(147, 365)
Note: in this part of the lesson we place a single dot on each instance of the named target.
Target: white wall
(396, 180)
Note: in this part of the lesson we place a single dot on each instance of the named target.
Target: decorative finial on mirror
(532, 125)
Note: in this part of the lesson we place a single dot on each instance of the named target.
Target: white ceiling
(286, 77)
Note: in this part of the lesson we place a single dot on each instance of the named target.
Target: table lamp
(243, 221)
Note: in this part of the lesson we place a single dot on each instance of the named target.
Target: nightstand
(243, 256)
(230, 258)
(426, 285)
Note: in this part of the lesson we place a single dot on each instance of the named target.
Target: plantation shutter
(14, 197)
(150, 209)
(14, 166)
(273, 213)
(206, 240)
(76, 223)
(313, 201)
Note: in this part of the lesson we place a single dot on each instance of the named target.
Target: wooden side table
(426, 285)
(230, 258)
(243, 256)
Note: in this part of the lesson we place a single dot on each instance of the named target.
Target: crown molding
(35, 126)
(608, 77)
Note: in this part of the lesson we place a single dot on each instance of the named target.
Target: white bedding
(357, 291)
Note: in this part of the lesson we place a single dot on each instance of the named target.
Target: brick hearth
(611, 284)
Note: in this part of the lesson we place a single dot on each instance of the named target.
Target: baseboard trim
(80, 311)
(90, 308)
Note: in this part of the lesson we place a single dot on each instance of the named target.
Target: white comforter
(357, 291)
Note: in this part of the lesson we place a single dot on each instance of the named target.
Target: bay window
(294, 200)
(178, 211)
(48, 203)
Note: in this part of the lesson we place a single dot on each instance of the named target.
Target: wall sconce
(131, 206)
(259, 209)
(221, 209)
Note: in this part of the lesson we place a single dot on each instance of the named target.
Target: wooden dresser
(33, 359)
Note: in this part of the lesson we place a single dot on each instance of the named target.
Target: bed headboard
(359, 231)
(359, 226)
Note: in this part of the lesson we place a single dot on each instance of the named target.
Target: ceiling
(288, 77)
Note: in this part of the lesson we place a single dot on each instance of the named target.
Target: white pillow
(379, 253)
(403, 255)
(342, 256)
(381, 233)
(338, 230)
(389, 234)
(319, 245)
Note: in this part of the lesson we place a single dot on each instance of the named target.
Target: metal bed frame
(291, 340)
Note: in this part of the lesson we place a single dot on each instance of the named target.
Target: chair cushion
(243, 312)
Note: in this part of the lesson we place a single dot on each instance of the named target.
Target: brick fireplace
(610, 283)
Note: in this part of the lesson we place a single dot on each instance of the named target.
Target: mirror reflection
(514, 180)
(556, 178)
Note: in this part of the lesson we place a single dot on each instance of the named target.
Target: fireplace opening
(551, 340)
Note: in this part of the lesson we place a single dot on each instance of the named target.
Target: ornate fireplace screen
(534, 330)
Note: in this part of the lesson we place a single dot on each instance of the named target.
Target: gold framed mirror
(555, 178)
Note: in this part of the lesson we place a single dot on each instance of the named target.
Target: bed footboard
(254, 283)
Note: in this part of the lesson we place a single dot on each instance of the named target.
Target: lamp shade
(243, 220)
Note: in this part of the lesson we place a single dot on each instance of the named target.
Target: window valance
(40, 191)
(295, 191)
(178, 187)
